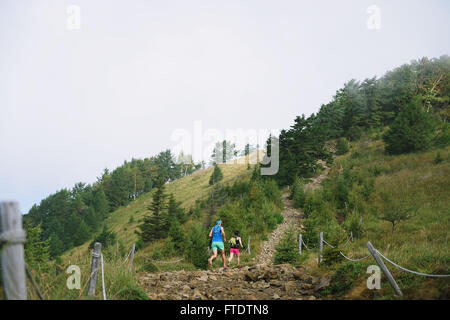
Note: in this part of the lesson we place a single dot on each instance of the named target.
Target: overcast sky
(74, 101)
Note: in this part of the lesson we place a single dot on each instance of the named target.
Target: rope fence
(160, 261)
(353, 260)
(414, 272)
(377, 255)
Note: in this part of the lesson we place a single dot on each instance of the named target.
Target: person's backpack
(233, 242)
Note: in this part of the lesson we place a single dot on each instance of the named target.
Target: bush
(331, 256)
(196, 246)
(107, 238)
(298, 196)
(131, 292)
(216, 176)
(286, 250)
(412, 130)
(343, 279)
(341, 147)
(353, 224)
(354, 133)
(149, 267)
(438, 159)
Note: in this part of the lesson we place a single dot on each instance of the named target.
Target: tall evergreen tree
(412, 130)
(216, 176)
(36, 249)
(156, 226)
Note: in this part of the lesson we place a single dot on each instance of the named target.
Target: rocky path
(292, 218)
(263, 281)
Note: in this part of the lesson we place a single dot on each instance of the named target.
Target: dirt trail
(292, 218)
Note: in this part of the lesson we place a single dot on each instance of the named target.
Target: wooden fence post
(94, 268)
(299, 243)
(383, 268)
(132, 256)
(12, 238)
(320, 248)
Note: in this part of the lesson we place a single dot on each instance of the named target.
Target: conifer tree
(216, 176)
(412, 130)
(156, 226)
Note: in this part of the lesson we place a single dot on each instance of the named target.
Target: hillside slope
(125, 220)
(363, 186)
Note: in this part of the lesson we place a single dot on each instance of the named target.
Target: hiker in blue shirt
(217, 242)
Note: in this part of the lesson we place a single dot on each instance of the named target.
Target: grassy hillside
(125, 221)
(364, 184)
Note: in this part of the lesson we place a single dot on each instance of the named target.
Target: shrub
(286, 250)
(331, 256)
(149, 267)
(196, 246)
(298, 197)
(107, 238)
(438, 159)
(131, 292)
(216, 176)
(354, 133)
(353, 224)
(412, 130)
(343, 279)
(341, 147)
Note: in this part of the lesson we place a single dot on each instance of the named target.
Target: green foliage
(156, 226)
(56, 246)
(298, 194)
(331, 256)
(176, 236)
(196, 246)
(396, 208)
(412, 130)
(353, 224)
(438, 159)
(149, 267)
(107, 238)
(131, 292)
(343, 279)
(175, 211)
(286, 251)
(216, 176)
(36, 249)
(341, 147)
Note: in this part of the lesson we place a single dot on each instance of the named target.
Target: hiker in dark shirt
(235, 242)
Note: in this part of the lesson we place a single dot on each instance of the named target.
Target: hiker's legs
(237, 257)
(210, 260)
(224, 259)
(231, 257)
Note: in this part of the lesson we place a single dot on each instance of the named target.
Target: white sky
(73, 102)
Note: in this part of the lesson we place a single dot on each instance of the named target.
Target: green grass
(419, 243)
(119, 282)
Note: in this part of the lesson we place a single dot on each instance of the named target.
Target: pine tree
(175, 211)
(196, 244)
(176, 236)
(56, 246)
(36, 249)
(92, 219)
(82, 234)
(156, 226)
(101, 205)
(412, 130)
(216, 176)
